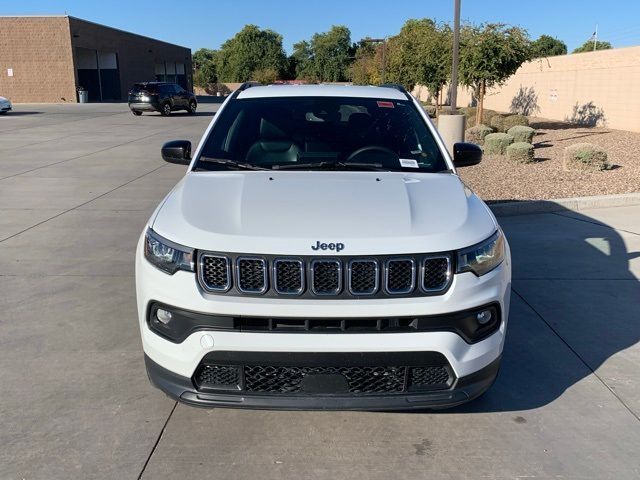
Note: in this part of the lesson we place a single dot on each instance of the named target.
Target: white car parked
(322, 253)
(5, 105)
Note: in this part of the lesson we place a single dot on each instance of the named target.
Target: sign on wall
(9, 72)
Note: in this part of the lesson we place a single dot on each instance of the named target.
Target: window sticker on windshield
(409, 163)
(383, 104)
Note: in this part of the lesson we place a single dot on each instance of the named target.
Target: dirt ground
(497, 178)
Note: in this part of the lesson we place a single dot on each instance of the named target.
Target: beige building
(45, 58)
(594, 88)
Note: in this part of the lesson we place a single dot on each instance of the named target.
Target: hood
(2, 99)
(288, 212)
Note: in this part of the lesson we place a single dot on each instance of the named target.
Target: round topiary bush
(513, 120)
(497, 143)
(585, 156)
(521, 152)
(476, 134)
(497, 122)
(521, 133)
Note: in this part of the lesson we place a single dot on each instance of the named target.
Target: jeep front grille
(339, 277)
(214, 272)
(289, 379)
(252, 274)
(400, 275)
(288, 276)
(326, 277)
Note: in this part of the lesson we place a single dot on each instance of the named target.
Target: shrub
(521, 152)
(470, 112)
(513, 120)
(497, 143)
(585, 156)
(430, 109)
(521, 133)
(497, 122)
(487, 115)
(476, 134)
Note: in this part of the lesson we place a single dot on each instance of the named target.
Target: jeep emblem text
(328, 246)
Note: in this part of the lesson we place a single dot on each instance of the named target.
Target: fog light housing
(163, 316)
(484, 317)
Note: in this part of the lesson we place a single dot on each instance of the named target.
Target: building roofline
(98, 24)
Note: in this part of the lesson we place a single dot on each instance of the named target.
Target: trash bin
(83, 96)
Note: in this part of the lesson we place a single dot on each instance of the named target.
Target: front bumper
(462, 390)
(172, 365)
(5, 108)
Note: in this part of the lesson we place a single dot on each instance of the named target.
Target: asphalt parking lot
(77, 184)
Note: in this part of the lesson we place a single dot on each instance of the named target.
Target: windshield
(321, 132)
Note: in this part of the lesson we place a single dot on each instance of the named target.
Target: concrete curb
(528, 207)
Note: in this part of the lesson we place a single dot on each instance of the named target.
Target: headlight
(482, 257)
(166, 255)
(145, 98)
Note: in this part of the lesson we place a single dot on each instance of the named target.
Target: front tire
(166, 109)
(137, 113)
(192, 107)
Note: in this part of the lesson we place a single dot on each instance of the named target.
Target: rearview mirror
(177, 151)
(466, 154)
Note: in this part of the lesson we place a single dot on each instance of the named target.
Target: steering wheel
(373, 148)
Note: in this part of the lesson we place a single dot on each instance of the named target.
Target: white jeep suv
(322, 253)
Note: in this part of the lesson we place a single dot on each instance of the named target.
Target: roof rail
(396, 86)
(243, 87)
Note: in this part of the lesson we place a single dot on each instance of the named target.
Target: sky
(196, 24)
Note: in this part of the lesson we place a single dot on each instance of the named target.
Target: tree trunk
(480, 108)
(438, 102)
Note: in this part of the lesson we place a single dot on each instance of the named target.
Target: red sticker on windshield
(383, 104)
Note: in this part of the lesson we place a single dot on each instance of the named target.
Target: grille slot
(215, 273)
(400, 276)
(363, 277)
(288, 276)
(251, 274)
(436, 273)
(288, 380)
(326, 277)
(221, 377)
(430, 377)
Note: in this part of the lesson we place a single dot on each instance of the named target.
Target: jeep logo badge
(328, 246)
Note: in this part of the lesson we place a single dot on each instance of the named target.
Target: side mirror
(466, 154)
(177, 151)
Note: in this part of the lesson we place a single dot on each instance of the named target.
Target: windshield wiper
(333, 164)
(231, 163)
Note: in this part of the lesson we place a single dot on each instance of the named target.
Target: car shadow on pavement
(571, 311)
(13, 113)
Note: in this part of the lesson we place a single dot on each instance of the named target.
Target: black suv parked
(160, 97)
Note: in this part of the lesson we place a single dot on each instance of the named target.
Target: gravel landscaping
(498, 179)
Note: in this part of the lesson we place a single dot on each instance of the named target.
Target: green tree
(489, 54)
(250, 50)
(547, 46)
(589, 44)
(301, 61)
(204, 67)
(421, 55)
(327, 57)
(365, 69)
(331, 53)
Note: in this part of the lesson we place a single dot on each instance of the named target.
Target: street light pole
(456, 48)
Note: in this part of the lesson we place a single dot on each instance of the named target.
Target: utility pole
(456, 48)
(595, 38)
